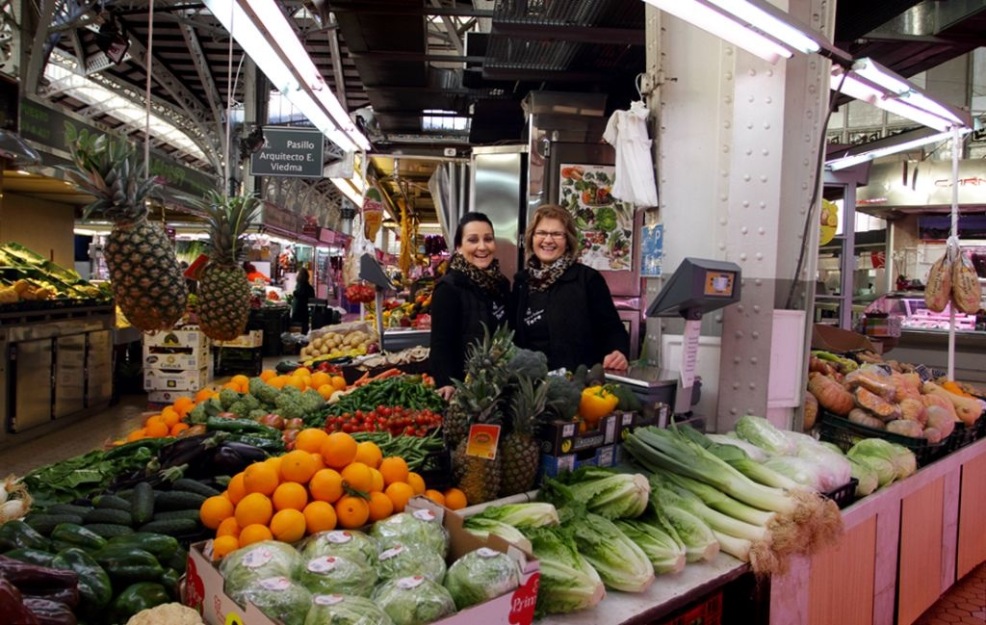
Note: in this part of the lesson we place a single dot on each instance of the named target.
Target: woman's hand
(446, 392)
(615, 360)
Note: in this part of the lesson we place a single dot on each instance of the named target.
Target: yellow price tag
(233, 619)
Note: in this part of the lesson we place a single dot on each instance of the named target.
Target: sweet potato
(862, 417)
(906, 428)
(967, 410)
(810, 411)
(876, 404)
(940, 419)
(831, 395)
(913, 409)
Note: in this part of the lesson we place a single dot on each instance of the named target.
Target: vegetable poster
(605, 224)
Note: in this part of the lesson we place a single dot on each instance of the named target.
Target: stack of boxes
(244, 354)
(176, 364)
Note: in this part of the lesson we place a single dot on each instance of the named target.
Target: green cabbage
(878, 453)
(345, 610)
(762, 433)
(279, 598)
(409, 560)
(337, 575)
(621, 564)
(248, 565)
(662, 549)
(568, 582)
(481, 575)
(414, 600)
(351, 544)
(866, 476)
(421, 529)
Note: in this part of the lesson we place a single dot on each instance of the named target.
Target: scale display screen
(697, 286)
(719, 283)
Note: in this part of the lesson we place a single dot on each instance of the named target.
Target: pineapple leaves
(228, 219)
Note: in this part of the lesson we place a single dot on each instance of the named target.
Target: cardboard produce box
(204, 584)
(162, 380)
(838, 340)
(175, 358)
(559, 438)
(253, 338)
(605, 456)
(190, 337)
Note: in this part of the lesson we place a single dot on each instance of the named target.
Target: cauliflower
(166, 614)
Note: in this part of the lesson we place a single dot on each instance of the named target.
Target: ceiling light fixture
(863, 157)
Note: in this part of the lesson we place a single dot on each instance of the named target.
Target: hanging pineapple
(223, 290)
(145, 277)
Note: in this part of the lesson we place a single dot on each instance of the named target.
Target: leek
(716, 500)
(754, 452)
(753, 469)
(762, 433)
(668, 496)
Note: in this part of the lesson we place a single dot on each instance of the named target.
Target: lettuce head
(337, 575)
(345, 610)
(481, 575)
(414, 600)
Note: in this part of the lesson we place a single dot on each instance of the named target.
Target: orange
(319, 461)
(297, 466)
(320, 516)
(203, 395)
(278, 382)
(224, 545)
(178, 428)
(339, 449)
(288, 525)
(311, 439)
(320, 378)
(229, 527)
(302, 371)
(436, 496)
(231, 386)
(155, 427)
(235, 490)
(290, 495)
(254, 534)
(417, 483)
(352, 512)
(136, 435)
(381, 506)
(455, 499)
(241, 381)
(296, 381)
(326, 485)
(394, 469)
(378, 484)
(357, 475)
(215, 510)
(326, 391)
(369, 454)
(260, 477)
(275, 463)
(267, 374)
(170, 416)
(183, 405)
(399, 493)
(254, 509)
(339, 382)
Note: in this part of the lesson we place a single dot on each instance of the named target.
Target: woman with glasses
(562, 307)
(471, 294)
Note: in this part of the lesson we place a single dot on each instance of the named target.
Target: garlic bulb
(15, 501)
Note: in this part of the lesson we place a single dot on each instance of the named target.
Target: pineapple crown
(528, 403)
(108, 170)
(228, 219)
(481, 394)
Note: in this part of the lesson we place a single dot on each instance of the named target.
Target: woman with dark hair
(303, 293)
(562, 307)
(471, 294)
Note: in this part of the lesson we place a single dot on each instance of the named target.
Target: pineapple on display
(223, 290)
(145, 277)
(520, 450)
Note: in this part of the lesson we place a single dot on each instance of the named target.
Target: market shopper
(560, 306)
(472, 294)
(302, 294)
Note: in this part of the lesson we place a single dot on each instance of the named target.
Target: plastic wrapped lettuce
(420, 528)
(481, 575)
(337, 575)
(351, 544)
(279, 598)
(866, 476)
(270, 558)
(802, 471)
(762, 433)
(835, 470)
(409, 560)
(345, 610)
(751, 450)
(877, 452)
(414, 600)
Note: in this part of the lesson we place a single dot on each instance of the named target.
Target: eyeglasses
(544, 234)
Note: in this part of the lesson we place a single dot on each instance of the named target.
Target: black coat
(303, 293)
(459, 308)
(583, 325)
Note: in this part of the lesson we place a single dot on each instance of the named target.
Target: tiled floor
(964, 604)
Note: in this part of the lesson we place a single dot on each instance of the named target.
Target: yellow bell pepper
(596, 403)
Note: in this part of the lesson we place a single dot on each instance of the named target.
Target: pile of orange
(327, 481)
(169, 422)
(303, 379)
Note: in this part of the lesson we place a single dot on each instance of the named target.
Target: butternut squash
(810, 412)
(966, 409)
(876, 404)
(831, 395)
(913, 409)
(863, 417)
(906, 428)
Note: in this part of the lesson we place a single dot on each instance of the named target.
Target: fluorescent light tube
(855, 159)
(902, 108)
(894, 101)
(349, 190)
(914, 96)
(712, 21)
(774, 25)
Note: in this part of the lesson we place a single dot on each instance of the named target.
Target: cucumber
(161, 545)
(111, 501)
(174, 526)
(142, 503)
(95, 587)
(67, 508)
(171, 515)
(108, 515)
(31, 556)
(177, 500)
(129, 564)
(44, 523)
(71, 535)
(17, 534)
(194, 486)
(109, 530)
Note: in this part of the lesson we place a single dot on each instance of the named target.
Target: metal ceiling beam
(450, 29)
(41, 46)
(336, 53)
(408, 9)
(564, 32)
(384, 55)
(542, 75)
(202, 68)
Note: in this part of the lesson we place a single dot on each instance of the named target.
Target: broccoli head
(563, 397)
(528, 364)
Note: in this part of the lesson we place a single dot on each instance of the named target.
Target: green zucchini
(67, 508)
(174, 526)
(71, 535)
(109, 530)
(108, 515)
(111, 501)
(95, 587)
(142, 503)
(136, 598)
(171, 515)
(194, 486)
(17, 534)
(44, 523)
(31, 556)
(161, 545)
(177, 500)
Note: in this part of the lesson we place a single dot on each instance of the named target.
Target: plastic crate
(845, 494)
(708, 611)
(845, 434)
(351, 373)
(230, 360)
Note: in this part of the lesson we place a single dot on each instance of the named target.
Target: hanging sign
(292, 152)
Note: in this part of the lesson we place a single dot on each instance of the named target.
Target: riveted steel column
(737, 166)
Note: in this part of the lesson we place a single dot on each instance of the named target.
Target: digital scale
(371, 271)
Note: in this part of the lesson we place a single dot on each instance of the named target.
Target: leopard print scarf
(491, 280)
(542, 277)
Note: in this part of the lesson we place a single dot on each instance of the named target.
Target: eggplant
(186, 451)
(12, 605)
(34, 579)
(50, 612)
(232, 457)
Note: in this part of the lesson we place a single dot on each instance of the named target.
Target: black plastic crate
(436, 470)
(845, 494)
(845, 434)
(232, 360)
